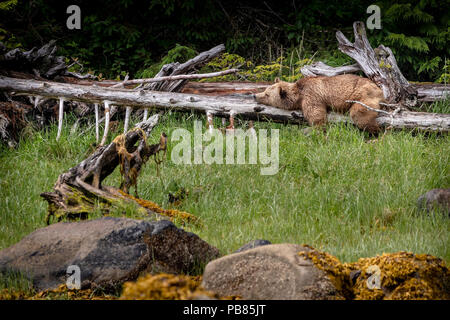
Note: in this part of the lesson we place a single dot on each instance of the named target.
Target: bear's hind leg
(315, 113)
(364, 118)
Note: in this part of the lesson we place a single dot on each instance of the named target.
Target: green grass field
(334, 190)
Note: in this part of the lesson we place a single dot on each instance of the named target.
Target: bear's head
(283, 95)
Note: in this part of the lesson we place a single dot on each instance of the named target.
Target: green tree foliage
(134, 36)
(418, 32)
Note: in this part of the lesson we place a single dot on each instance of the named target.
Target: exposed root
(131, 162)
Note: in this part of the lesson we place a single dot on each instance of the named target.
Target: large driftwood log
(430, 92)
(79, 190)
(225, 88)
(379, 65)
(220, 106)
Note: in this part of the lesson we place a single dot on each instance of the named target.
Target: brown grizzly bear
(315, 95)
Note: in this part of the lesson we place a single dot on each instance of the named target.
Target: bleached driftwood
(224, 88)
(127, 119)
(188, 67)
(379, 65)
(219, 106)
(175, 69)
(321, 69)
(96, 123)
(176, 78)
(107, 117)
(429, 92)
(60, 117)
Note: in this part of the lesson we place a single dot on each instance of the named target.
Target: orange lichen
(62, 292)
(167, 287)
(174, 215)
(10, 294)
(402, 275)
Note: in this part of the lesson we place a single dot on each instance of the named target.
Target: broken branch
(177, 77)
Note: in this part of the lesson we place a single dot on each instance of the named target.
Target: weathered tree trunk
(430, 92)
(219, 106)
(78, 190)
(379, 65)
(321, 69)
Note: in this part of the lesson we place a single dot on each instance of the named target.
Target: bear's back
(334, 91)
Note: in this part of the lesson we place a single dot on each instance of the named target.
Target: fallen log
(219, 106)
(321, 69)
(430, 92)
(224, 88)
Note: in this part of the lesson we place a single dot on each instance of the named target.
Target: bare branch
(366, 106)
(177, 77)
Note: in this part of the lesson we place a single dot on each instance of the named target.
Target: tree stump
(78, 190)
(379, 65)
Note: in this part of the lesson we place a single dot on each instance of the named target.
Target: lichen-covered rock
(253, 244)
(401, 276)
(435, 199)
(108, 251)
(268, 272)
(165, 287)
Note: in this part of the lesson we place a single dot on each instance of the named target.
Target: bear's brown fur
(315, 95)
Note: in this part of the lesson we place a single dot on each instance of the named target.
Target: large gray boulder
(268, 272)
(108, 251)
(253, 244)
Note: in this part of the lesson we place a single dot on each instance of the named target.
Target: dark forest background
(133, 36)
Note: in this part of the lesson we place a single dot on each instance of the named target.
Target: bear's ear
(283, 93)
(300, 83)
(277, 80)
